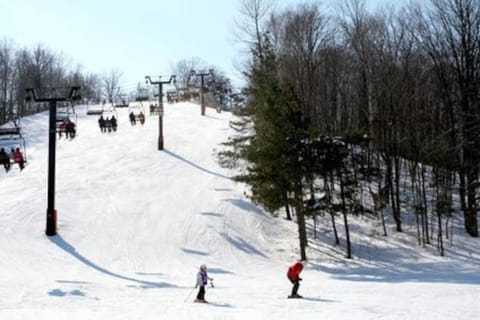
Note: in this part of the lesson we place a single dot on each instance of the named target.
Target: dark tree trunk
(302, 230)
(426, 235)
(345, 220)
(471, 224)
(287, 207)
(397, 212)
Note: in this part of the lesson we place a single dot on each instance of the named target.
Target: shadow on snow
(61, 293)
(195, 165)
(419, 272)
(191, 251)
(245, 205)
(64, 245)
(242, 245)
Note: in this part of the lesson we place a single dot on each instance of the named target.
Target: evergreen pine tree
(269, 142)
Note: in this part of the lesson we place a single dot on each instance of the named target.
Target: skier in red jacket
(293, 275)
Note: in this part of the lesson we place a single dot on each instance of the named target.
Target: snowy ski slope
(134, 225)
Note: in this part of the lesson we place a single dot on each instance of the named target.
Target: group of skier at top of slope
(293, 274)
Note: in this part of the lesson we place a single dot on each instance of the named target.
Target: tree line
(356, 107)
(39, 67)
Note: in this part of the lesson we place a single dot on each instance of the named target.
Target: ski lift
(142, 95)
(138, 111)
(172, 96)
(136, 108)
(122, 102)
(110, 111)
(154, 109)
(9, 131)
(11, 139)
(65, 113)
(94, 110)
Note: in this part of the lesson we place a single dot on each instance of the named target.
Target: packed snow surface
(135, 224)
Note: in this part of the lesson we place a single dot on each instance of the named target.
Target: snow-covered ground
(135, 223)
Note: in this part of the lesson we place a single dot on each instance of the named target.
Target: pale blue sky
(142, 37)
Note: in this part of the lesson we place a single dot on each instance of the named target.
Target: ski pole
(189, 294)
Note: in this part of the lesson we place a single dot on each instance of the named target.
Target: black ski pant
(201, 293)
(296, 285)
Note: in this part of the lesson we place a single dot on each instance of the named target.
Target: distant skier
(202, 281)
(293, 275)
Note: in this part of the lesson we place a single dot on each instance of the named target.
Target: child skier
(293, 275)
(202, 280)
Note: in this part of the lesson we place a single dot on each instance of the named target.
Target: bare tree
(182, 70)
(449, 32)
(250, 27)
(301, 36)
(7, 73)
(111, 84)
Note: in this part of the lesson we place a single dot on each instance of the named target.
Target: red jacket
(17, 156)
(294, 271)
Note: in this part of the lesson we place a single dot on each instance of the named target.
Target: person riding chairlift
(18, 158)
(62, 128)
(5, 159)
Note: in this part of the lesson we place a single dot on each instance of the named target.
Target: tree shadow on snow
(245, 205)
(152, 274)
(212, 214)
(388, 259)
(72, 282)
(194, 164)
(244, 246)
(218, 271)
(67, 247)
(200, 253)
(419, 272)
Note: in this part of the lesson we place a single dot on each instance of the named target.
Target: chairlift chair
(122, 101)
(154, 109)
(67, 109)
(9, 131)
(12, 140)
(110, 113)
(65, 112)
(94, 110)
(136, 108)
(172, 96)
(142, 95)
